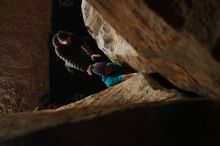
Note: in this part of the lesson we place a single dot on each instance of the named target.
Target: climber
(75, 51)
(111, 73)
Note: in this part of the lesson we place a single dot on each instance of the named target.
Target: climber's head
(63, 37)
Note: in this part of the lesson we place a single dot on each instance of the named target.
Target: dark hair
(62, 35)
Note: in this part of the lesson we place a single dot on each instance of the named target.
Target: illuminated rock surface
(131, 32)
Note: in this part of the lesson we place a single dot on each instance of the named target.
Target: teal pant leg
(112, 80)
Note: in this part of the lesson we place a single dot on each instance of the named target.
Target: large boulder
(132, 32)
(145, 92)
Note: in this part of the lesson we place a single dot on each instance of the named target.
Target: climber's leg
(113, 80)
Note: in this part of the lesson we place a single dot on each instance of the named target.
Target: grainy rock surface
(199, 19)
(132, 33)
(173, 124)
(141, 88)
(119, 97)
(24, 27)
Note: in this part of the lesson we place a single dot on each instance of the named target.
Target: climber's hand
(89, 70)
(93, 56)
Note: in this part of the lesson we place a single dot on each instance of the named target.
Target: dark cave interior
(65, 87)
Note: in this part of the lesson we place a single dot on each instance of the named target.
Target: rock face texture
(133, 33)
(24, 27)
(200, 20)
(122, 96)
(139, 89)
(189, 123)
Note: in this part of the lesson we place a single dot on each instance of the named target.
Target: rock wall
(142, 88)
(24, 27)
(145, 91)
(132, 33)
(190, 17)
(177, 124)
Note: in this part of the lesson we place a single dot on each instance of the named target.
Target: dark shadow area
(65, 87)
(179, 124)
(216, 50)
(168, 11)
(168, 85)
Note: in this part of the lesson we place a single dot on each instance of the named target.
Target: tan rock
(130, 32)
(122, 96)
(139, 89)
